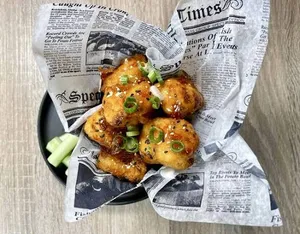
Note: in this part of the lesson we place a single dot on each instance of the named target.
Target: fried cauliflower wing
(115, 97)
(181, 97)
(98, 130)
(166, 152)
(122, 165)
(129, 67)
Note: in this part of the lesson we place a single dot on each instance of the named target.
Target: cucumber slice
(65, 136)
(63, 150)
(66, 160)
(53, 144)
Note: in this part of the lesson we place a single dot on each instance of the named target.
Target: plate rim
(46, 97)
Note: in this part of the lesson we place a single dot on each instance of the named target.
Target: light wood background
(31, 199)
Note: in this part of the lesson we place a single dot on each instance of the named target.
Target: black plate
(50, 126)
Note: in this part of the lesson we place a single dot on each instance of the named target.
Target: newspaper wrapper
(221, 44)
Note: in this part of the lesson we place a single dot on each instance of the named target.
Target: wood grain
(31, 200)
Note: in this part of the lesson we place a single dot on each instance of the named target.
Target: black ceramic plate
(50, 126)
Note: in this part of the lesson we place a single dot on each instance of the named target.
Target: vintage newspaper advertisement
(221, 44)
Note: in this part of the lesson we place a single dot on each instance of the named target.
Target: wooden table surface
(31, 199)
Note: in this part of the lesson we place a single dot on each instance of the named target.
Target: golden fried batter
(97, 129)
(111, 77)
(122, 165)
(127, 100)
(181, 97)
(162, 153)
(115, 97)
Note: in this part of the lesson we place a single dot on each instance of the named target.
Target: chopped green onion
(131, 128)
(53, 144)
(117, 139)
(155, 101)
(132, 133)
(124, 79)
(159, 78)
(155, 91)
(152, 132)
(132, 145)
(177, 146)
(66, 160)
(152, 76)
(63, 150)
(131, 142)
(148, 70)
(143, 68)
(130, 105)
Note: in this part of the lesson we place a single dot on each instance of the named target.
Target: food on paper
(126, 94)
(223, 52)
(98, 130)
(127, 104)
(170, 142)
(127, 73)
(123, 165)
(132, 128)
(180, 96)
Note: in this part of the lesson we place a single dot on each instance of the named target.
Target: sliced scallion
(130, 105)
(155, 101)
(160, 136)
(159, 78)
(131, 128)
(149, 71)
(132, 145)
(124, 79)
(132, 133)
(152, 76)
(119, 141)
(143, 68)
(177, 146)
(155, 91)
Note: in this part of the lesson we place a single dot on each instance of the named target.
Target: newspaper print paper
(221, 44)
